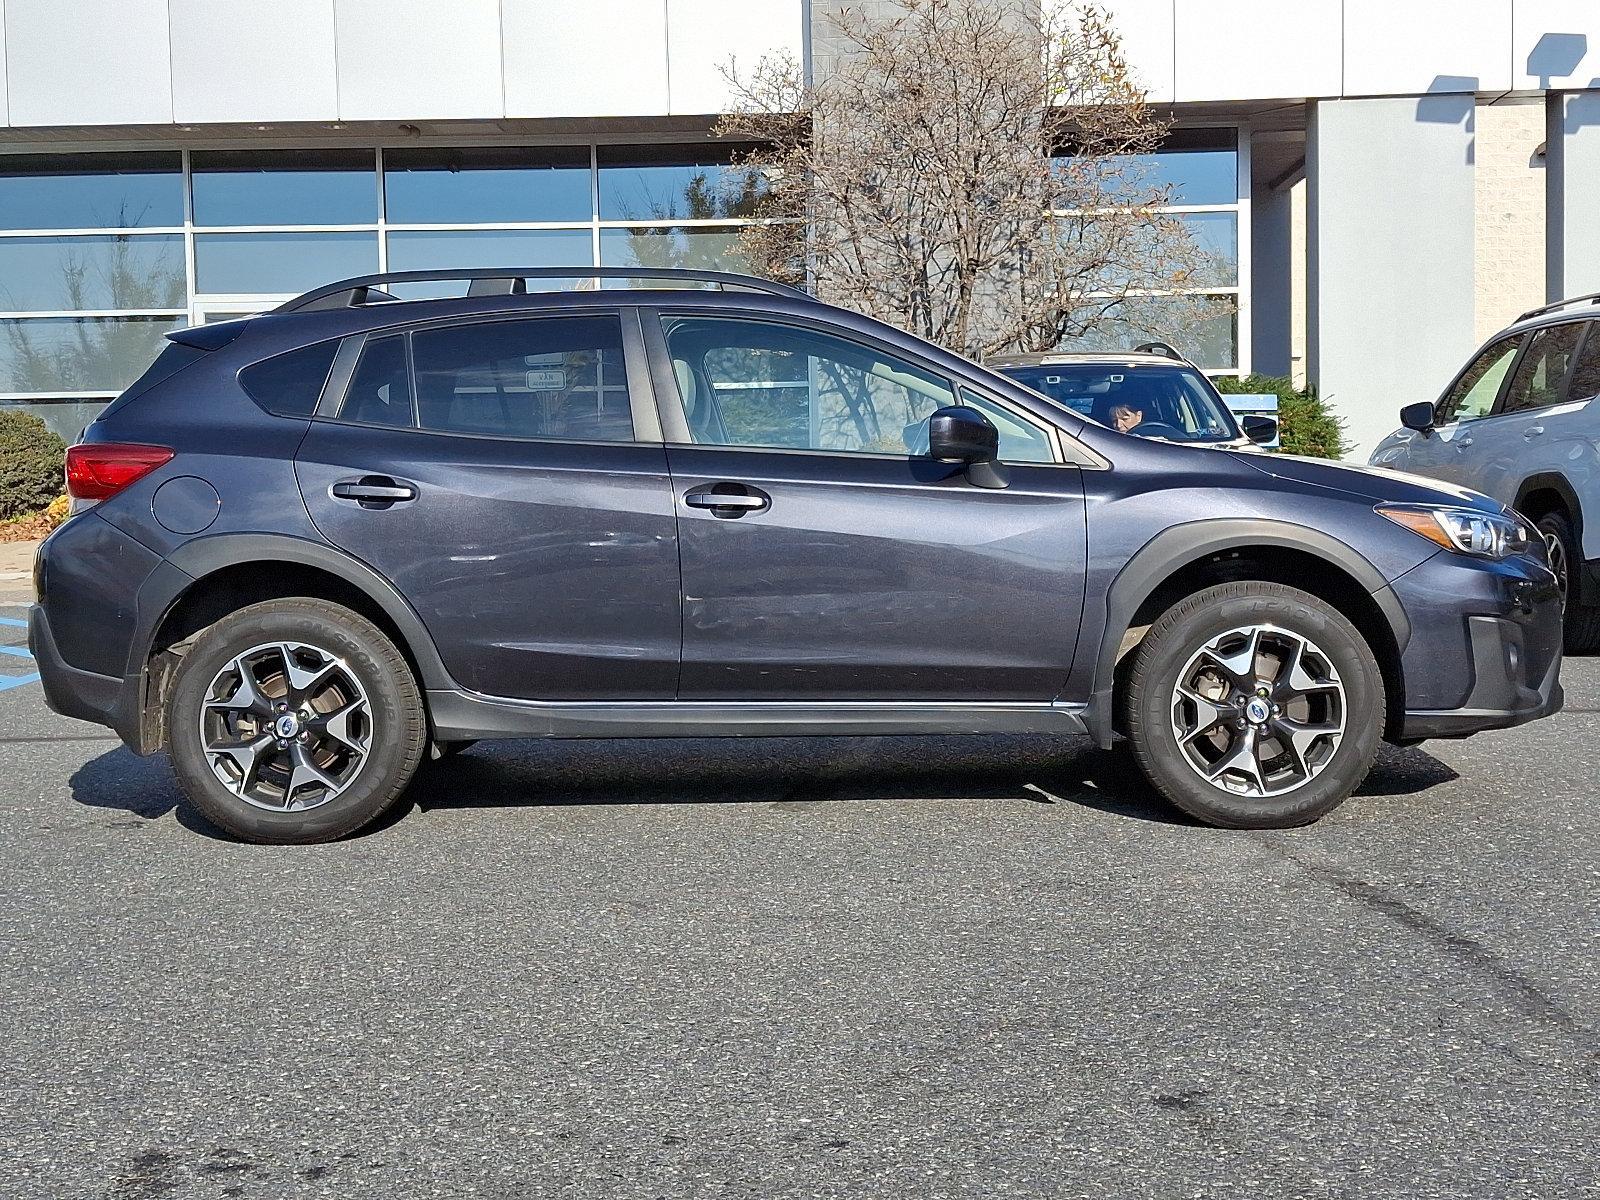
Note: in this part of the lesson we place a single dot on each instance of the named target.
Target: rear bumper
(72, 692)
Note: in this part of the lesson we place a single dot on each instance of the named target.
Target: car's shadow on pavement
(781, 772)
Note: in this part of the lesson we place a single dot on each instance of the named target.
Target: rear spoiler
(209, 337)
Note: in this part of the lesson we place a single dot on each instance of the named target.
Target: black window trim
(675, 424)
(641, 404)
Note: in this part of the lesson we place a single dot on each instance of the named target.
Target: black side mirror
(1261, 430)
(964, 435)
(1418, 416)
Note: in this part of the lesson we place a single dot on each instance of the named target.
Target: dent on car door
(825, 556)
(508, 477)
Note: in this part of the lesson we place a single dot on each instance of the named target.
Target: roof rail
(364, 289)
(1591, 298)
(1165, 349)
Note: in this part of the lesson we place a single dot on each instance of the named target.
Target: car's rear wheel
(1561, 548)
(1254, 706)
(294, 721)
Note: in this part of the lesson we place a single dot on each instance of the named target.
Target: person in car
(1124, 417)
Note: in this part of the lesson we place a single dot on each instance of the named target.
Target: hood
(1370, 483)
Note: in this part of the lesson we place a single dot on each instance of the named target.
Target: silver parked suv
(1518, 423)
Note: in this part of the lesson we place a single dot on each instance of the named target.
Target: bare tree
(966, 174)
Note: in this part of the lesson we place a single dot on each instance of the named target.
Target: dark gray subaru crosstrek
(314, 547)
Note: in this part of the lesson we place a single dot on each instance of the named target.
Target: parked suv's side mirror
(1418, 416)
(1261, 430)
(958, 434)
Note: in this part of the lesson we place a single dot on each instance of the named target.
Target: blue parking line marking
(7, 682)
(13, 621)
(17, 652)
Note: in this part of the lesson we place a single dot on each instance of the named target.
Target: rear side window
(380, 389)
(543, 377)
(289, 385)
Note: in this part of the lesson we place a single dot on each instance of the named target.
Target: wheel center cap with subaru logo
(1257, 711)
(287, 725)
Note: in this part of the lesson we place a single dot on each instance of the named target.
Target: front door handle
(374, 491)
(1533, 431)
(728, 500)
(1463, 442)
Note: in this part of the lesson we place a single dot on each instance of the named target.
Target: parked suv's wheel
(1254, 706)
(1561, 546)
(294, 721)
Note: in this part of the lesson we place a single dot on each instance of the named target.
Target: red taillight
(98, 471)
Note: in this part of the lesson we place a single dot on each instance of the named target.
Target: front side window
(542, 377)
(755, 383)
(1473, 395)
(1543, 369)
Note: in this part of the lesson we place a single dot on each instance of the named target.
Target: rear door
(507, 476)
(824, 556)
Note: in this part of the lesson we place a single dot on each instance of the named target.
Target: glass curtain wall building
(101, 254)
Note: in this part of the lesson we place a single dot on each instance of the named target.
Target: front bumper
(1486, 646)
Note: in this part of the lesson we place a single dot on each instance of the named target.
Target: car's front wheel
(1561, 551)
(294, 721)
(1254, 705)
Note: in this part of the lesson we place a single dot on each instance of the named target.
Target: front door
(496, 473)
(1535, 428)
(1448, 451)
(824, 558)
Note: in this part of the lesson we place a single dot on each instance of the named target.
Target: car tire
(1312, 738)
(357, 732)
(1582, 621)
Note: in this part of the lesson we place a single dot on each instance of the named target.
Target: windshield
(1151, 400)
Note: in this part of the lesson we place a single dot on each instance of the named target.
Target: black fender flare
(1580, 572)
(192, 562)
(1180, 546)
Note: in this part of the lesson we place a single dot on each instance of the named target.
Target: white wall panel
(1556, 44)
(1146, 30)
(601, 58)
(410, 60)
(5, 118)
(702, 35)
(240, 60)
(89, 62)
(1399, 48)
(1392, 254)
(1257, 49)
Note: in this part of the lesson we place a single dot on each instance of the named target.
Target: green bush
(1305, 422)
(30, 464)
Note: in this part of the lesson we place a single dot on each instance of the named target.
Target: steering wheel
(1158, 429)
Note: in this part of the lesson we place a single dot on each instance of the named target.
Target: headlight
(1464, 530)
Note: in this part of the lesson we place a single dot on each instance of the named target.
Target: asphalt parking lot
(921, 967)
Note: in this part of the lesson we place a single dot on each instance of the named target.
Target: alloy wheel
(1258, 711)
(286, 726)
(1556, 554)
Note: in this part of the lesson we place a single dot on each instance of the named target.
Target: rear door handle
(728, 500)
(374, 491)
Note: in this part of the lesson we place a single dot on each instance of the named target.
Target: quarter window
(755, 383)
(1020, 441)
(290, 384)
(1473, 394)
(1543, 369)
(552, 377)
